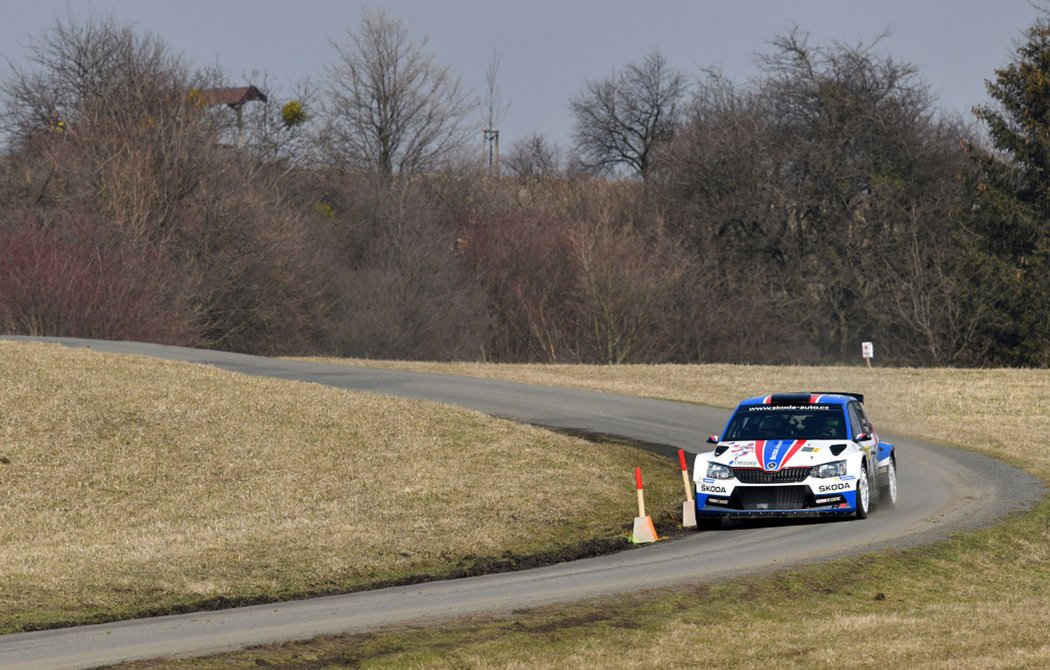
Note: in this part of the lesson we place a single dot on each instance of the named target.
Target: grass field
(981, 600)
(134, 486)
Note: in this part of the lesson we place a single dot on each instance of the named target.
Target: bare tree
(283, 130)
(620, 119)
(391, 109)
(832, 175)
(82, 68)
(534, 156)
(927, 282)
(139, 223)
(624, 292)
(111, 111)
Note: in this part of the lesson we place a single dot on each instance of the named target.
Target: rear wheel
(863, 494)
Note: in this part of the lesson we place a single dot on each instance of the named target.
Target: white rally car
(795, 454)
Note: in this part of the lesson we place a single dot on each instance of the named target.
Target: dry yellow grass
(132, 485)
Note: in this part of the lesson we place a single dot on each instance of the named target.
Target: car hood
(774, 455)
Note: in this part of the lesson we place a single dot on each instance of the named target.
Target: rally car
(795, 454)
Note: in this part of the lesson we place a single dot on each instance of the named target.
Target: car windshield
(787, 422)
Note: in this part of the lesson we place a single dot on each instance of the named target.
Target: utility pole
(496, 109)
(491, 148)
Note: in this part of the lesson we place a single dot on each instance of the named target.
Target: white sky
(550, 47)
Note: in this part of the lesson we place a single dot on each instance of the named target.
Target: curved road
(943, 491)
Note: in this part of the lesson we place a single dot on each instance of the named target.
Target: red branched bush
(78, 277)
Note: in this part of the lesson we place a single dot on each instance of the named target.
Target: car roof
(804, 398)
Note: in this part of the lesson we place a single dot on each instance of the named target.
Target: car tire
(863, 494)
(888, 492)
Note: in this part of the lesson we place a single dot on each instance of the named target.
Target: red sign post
(689, 506)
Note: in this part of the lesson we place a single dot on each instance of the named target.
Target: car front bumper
(775, 501)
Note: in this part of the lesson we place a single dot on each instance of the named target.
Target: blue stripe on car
(775, 452)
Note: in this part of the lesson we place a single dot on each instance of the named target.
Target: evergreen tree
(1005, 228)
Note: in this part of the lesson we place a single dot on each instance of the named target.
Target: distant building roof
(234, 97)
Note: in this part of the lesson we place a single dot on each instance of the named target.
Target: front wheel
(889, 487)
(863, 494)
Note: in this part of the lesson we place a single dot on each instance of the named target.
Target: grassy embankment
(981, 600)
(133, 486)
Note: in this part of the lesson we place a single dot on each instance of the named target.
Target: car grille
(772, 497)
(785, 476)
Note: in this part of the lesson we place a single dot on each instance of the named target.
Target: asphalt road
(942, 491)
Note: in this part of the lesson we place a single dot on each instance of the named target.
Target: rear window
(787, 422)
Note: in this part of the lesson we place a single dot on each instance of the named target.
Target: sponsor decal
(706, 488)
(737, 450)
(708, 480)
(788, 408)
(811, 450)
(846, 478)
(828, 501)
(825, 488)
(775, 453)
(717, 501)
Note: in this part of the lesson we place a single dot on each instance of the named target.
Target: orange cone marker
(644, 531)
(689, 506)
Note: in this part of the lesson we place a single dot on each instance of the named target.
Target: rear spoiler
(804, 398)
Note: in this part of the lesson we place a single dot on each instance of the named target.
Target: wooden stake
(689, 506)
(685, 476)
(641, 495)
(644, 531)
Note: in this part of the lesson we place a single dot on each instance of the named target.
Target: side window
(864, 421)
(856, 425)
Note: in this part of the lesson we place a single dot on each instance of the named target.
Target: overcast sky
(550, 47)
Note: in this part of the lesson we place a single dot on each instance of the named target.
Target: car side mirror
(713, 439)
(862, 437)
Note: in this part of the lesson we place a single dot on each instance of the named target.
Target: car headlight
(719, 471)
(833, 469)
